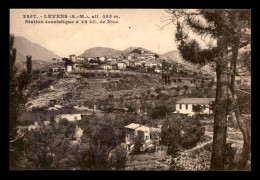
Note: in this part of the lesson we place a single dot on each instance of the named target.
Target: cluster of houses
(183, 106)
(80, 63)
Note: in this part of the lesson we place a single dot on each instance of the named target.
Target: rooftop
(195, 100)
(132, 126)
(143, 128)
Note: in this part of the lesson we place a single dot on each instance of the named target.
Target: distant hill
(101, 51)
(36, 64)
(26, 47)
(172, 56)
(110, 52)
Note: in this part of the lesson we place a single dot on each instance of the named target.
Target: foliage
(43, 84)
(29, 66)
(138, 142)
(60, 75)
(160, 111)
(49, 74)
(17, 85)
(244, 102)
(193, 133)
(229, 154)
(181, 132)
(106, 136)
(171, 135)
(44, 140)
(99, 148)
(118, 158)
(230, 29)
(197, 108)
(85, 75)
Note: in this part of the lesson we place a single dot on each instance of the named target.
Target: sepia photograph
(130, 89)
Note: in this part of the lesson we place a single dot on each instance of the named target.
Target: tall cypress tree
(29, 66)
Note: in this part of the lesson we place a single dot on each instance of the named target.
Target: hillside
(101, 51)
(109, 52)
(172, 56)
(26, 47)
(36, 64)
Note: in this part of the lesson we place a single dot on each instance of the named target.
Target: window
(75, 117)
(146, 137)
(186, 106)
(180, 106)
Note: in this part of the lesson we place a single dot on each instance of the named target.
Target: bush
(43, 84)
(158, 90)
(138, 142)
(180, 133)
(60, 75)
(229, 154)
(118, 158)
(85, 75)
(160, 111)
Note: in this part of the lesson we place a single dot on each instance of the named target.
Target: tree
(118, 158)
(197, 108)
(60, 75)
(29, 66)
(40, 140)
(138, 142)
(241, 66)
(220, 26)
(181, 132)
(171, 135)
(17, 85)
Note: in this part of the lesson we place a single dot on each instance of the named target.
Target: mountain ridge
(26, 47)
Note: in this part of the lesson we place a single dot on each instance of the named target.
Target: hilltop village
(125, 103)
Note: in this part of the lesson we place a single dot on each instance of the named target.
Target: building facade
(121, 65)
(188, 106)
(69, 117)
(132, 132)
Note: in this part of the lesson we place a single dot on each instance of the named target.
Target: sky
(135, 27)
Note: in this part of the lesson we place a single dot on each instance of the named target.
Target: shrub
(180, 133)
(158, 90)
(138, 142)
(85, 75)
(229, 154)
(43, 84)
(160, 111)
(118, 158)
(60, 75)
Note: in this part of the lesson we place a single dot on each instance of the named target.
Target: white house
(69, 68)
(107, 67)
(72, 57)
(58, 69)
(121, 65)
(186, 105)
(77, 66)
(102, 59)
(132, 132)
(158, 70)
(137, 63)
(80, 58)
(69, 117)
